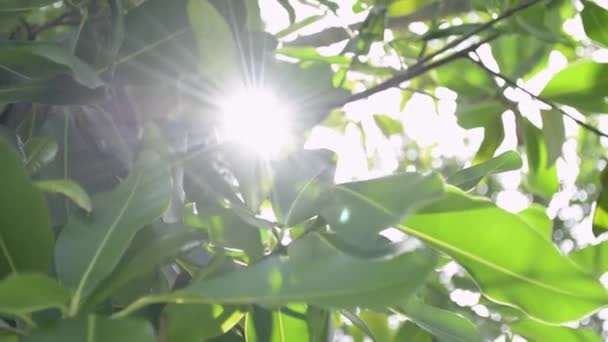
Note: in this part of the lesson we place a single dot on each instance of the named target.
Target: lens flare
(255, 119)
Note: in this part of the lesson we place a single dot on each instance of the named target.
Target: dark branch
(422, 67)
(553, 106)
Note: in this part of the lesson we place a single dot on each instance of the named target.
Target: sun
(255, 119)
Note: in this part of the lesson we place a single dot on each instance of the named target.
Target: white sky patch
(512, 201)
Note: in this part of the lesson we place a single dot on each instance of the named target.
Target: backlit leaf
(528, 273)
(471, 176)
(89, 247)
(26, 239)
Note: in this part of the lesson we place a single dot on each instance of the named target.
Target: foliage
(126, 216)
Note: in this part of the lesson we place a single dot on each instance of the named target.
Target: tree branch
(422, 67)
(553, 106)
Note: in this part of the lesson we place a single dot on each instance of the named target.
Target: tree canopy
(303, 170)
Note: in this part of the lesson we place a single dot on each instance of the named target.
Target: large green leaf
(263, 325)
(536, 217)
(218, 52)
(158, 43)
(27, 60)
(227, 229)
(594, 19)
(581, 85)
(466, 78)
(150, 248)
(593, 259)
(517, 55)
(316, 273)
(512, 263)
(198, 322)
(371, 324)
(93, 329)
(409, 331)
(68, 188)
(537, 332)
(542, 176)
(471, 176)
(89, 247)
(22, 294)
(26, 239)
(351, 210)
(298, 182)
(443, 324)
(48, 73)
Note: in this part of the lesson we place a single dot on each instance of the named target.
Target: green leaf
(298, 182)
(157, 44)
(528, 272)
(93, 329)
(518, 55)
(263, 325)
(89, 247)
(593, 259)
(537, 331)
(375, 326)
(542, 176)
(311, 54)
(443, 324)
(351, 208)
(23, 5)
(468, 178)
(371, 30)
(388, 125)
(320, 323)
(409, 331)
(254, 21)
(26, 61)
(486, 114)
(315, 273)
(198, 322)
(594, 19)
(536, 217)
(150, 248)
(554, 134)
(600, 214)
(401, 8)
(68, 188)
(466, 78)
(581, 85)
(25, 293)
(299, 25)
(26, 238)
(218, 52)
(227, 229)
(39, 151)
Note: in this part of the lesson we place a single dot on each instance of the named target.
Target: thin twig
(422, 67)
(553, 106)
(413, 72)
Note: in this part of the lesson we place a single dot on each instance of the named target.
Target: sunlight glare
(255, 119)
